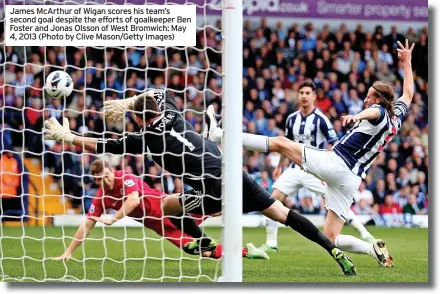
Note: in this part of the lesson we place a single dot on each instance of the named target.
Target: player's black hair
(308, 83)
(146, 108)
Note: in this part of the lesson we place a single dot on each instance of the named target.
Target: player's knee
(278, 195)
(331, 234)
(279, 144)
(171, 206)
(277, 211)
(165, 207)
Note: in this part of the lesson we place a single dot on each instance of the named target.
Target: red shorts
(170, 232)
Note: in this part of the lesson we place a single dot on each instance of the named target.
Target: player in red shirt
(143, 204)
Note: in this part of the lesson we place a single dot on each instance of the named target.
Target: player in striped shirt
(344, 167)
(310, 127)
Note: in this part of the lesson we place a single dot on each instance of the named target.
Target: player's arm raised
(368, 114)
(53, 130)
(115, 110)
(404, 54)
(82, 233)
(128, 144)
(130, 203)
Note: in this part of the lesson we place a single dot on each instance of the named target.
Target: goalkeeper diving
(130, 196)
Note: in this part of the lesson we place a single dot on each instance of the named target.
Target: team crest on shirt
(92, 208)
(128, 183)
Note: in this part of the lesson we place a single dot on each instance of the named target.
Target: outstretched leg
(282, 145)
(302, 225)
(377, 250)
(271, 244)
(353, 221)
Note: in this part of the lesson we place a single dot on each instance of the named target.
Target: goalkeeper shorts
(209, 201)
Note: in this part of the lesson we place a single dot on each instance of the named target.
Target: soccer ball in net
(59, 84)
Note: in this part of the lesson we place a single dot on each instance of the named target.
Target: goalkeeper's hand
(60, 133)
(115, 109)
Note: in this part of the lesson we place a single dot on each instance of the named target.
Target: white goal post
(232, 141)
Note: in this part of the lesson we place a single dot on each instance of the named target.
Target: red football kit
(149, 211)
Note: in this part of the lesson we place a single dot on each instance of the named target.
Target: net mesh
(51, 180)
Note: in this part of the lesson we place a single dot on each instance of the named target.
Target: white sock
(272, 233)
(356, 223)
(255, 142)
(355, 245)
(250, 141)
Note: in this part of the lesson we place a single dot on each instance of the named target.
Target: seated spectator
(384, 74)
(252, 166)
(401, 196)
(260, 121)
(271, 130)
(385, 56)
(322, 101)
(77, 106)
(403, 178)
(56, 108)
(356, 104)
(389, 206)
(308, 202)
(248, 112)
(364, 194)
(362, 208)
(413, 207)
(265, 181)
(379, 192)
(20, 84)
(338, 103)
(343, 63)
(277, 91)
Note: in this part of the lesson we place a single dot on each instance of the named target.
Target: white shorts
(342, 183)
(294, 178)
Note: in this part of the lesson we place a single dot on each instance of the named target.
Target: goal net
(47, 186)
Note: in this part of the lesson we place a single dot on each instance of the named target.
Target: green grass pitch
(299, 260)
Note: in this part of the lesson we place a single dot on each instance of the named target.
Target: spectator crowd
(342, 62)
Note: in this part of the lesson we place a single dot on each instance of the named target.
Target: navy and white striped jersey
(314, 129)
(361, 145)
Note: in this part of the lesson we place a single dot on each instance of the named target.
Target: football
(59, 84)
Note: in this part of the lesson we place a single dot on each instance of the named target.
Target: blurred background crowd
(342, 62)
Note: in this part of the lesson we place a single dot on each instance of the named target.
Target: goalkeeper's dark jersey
(173, 144)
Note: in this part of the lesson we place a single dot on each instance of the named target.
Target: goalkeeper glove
(60, 133)
(115, 109)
